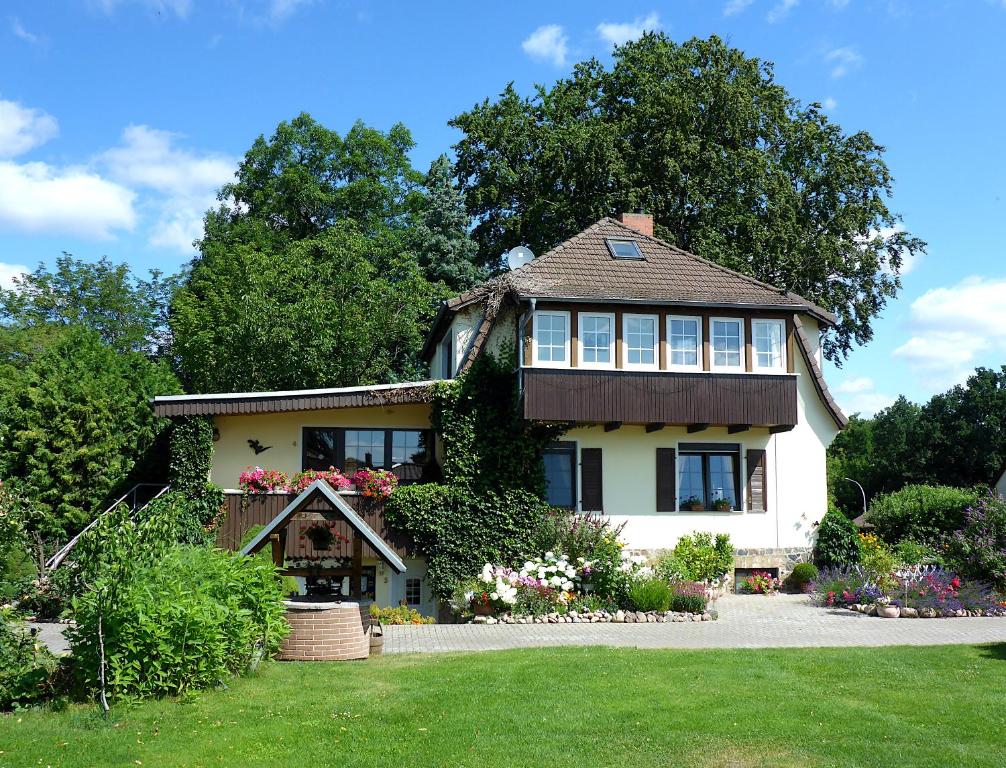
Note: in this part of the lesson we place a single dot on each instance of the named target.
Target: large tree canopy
(701, 136)
(127, 312)
(323, 264)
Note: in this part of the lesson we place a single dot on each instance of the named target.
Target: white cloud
(781, 10)
(843, 60)
(23, 128)
(909, 261)
(736, 6)
(859, 395)
(8, 272)
(829, 104)
(282, 9)
(20, 32)
(953, 326)
(37, 197)
(184, 182)
(619, 33)
(547, 43)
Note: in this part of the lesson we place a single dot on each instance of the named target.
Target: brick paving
(745, 621)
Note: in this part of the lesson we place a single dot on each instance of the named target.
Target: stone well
(325, 631)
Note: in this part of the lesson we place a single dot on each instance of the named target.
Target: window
(639, 333)
(406, 452)
(551, 339)
(560, 474)
(413, 591)
(624, 249)
(767, 340)
(727, 337)
(447, 356)
(684, 340)
(709, 472)
(597, 340)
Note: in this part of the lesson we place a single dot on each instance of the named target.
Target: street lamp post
(861, 491)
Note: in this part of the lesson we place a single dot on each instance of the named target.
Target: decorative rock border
(600, 617)
(869, 609)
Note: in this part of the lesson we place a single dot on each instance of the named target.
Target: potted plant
(723, 505)
(481, 604)
(322, 535)
(886, 609)
(693, 504)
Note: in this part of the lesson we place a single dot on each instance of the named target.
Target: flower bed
(599, 617)
(371, 483)
(917, 592)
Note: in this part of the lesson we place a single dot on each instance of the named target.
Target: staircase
(135, 499)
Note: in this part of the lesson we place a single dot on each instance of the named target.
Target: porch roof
(357, 523)
(227, 403)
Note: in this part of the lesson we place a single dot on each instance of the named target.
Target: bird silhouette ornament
(256, 446)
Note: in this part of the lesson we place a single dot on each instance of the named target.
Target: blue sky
(119, 118)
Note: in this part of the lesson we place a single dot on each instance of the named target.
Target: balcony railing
(660, 397)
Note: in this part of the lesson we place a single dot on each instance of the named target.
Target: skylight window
(624, 249)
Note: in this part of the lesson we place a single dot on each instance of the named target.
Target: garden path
(745, 621)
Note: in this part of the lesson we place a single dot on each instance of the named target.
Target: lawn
(934, 706)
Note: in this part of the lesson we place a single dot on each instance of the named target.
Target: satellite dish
(518, 257)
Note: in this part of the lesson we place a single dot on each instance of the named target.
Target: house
(999, 487)
(696, 393)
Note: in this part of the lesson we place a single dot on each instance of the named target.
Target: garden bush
(837, 540)
(28, 671)
(184, 622)
(398, 614)
(670, 568)
(651, 594)
(877, 559)
(688, 597)
(910, 552)
(978, 549)
(921, 512)
(703, 557)
(801, 576)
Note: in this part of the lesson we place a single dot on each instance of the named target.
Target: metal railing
(133, 495)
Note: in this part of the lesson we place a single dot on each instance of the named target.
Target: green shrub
(801, 576)
(978, 550)
(876, 558)
(837, 540)
(184, 622)
(650, 595)
(459, 532)
(288, 584)
(910, 552)
(921, 512)
(704, 558)
(28, 672)
(399, 614)
(688, 597)
(669, 567)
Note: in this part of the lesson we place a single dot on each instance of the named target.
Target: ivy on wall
(196, 504)
(490, 506)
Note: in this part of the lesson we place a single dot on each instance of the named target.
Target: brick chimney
(639, 221)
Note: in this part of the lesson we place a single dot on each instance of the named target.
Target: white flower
(571, 572)
(549, 555)
(469, 596)
(528, 565)
(567, 586)
(495, 596)
(556, 580)
(541, 573)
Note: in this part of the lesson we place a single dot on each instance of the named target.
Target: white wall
(461, 331)
(1001, 486)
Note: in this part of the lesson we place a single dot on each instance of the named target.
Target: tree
(851, 455)
(729, 164)
(76, 419)
(128, 313)
(316, 313)
(445, 249)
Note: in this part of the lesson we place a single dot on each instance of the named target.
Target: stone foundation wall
(784, 559)
(325, 632)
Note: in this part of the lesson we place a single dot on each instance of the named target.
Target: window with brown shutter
(757, 480)
(667, 494)
(591, 488)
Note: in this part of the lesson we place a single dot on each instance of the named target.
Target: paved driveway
(745, 621)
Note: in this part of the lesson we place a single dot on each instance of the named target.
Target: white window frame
(712, 349)
(535, 362)
(781, 368)
(447, 345)
(698, 351)
(655, 365)
(612, 335)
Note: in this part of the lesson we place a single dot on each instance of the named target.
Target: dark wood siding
(260, 509)
(638, 397)
(592, 487)
(757, 480)
(667, 481)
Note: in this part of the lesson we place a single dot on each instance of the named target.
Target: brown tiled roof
(583, 268)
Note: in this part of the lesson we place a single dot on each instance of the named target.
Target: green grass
(934, 706)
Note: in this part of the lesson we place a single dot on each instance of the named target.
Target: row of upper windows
(596, 338)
